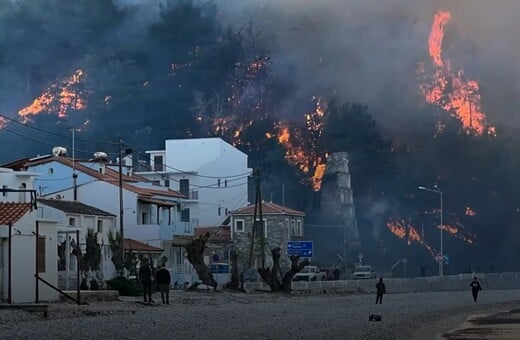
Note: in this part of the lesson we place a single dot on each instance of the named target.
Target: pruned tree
(91, 260)
(114, 240)
(273, 277)
(195, 250)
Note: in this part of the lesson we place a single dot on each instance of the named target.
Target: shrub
(124, 286)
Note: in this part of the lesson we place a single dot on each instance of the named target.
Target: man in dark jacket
(381, 289)
(475, 288)
(145, 276)
(163, 281)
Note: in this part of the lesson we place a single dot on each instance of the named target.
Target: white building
(151, 213)
(211, 172)
(18, 221)
(75, 216)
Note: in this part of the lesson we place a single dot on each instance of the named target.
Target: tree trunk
(235, 283)
(195, 251)
(274, 277)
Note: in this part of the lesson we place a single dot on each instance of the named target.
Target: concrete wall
(460, 282)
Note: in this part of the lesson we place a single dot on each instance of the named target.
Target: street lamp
(438, 191)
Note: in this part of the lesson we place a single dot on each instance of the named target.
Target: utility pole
(121, 209)
(257, 221)
(74, 174)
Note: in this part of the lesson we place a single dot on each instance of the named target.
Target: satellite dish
(59, 151)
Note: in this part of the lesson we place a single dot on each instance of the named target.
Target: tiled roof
(11, 212)
(216, 234)
(109, 176)
(74, 207)
(134, 245)
(268, 208)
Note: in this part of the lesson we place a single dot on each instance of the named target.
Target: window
(293, 229)
(158, 163)
(144, 217)
(299, 228)
(225, 183)
(51, 171)
(218, 182)
(184, 187)
(258, 226)
(72, 222)
(226, 211)
(219, 211)
(4, 193)
(100, 226)
(185, 215)
(41, 254)
(167, 183)
(239, 226)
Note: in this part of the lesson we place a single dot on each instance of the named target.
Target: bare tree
(195, 251)
(273, 277)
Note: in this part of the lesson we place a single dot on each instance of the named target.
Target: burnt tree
(195, 250)
(273, 277)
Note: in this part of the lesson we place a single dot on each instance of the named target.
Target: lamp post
(438, 191)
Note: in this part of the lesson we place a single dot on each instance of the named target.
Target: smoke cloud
(368, 51)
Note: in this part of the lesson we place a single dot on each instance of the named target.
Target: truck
(364, 272)
(310, 273)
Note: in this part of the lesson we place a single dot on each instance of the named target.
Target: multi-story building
(211, 173)
(280, 224)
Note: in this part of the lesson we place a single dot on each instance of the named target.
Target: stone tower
(337, 206)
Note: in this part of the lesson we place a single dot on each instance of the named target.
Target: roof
(216, 234)
(11, 212)
(110, 176)
(133, 245)
(159, 203)
(268, 208)
(74, 207)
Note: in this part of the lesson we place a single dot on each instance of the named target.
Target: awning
(139, 247)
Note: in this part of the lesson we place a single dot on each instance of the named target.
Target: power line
(42, 142)
(53, 133)
(193, 174)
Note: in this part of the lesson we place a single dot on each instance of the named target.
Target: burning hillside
(447, 86)
(59, 98)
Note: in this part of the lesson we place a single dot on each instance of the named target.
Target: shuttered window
(41, 254)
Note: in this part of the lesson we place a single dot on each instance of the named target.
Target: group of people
(381, 289)
(161, 277)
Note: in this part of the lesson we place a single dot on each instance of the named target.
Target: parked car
(310, 273)
(364, 272)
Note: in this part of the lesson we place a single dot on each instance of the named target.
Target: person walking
(163, 281)
(145, 276)
(380, 290)
(475, 288)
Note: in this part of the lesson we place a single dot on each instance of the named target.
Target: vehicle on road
(310, 273)
(364, 272)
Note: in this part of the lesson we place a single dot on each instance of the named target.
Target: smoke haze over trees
(174, 69)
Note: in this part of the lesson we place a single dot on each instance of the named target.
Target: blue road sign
(299, 248)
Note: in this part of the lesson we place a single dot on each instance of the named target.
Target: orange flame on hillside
(301, 146)
(448, 89)
(400, 228)
(470, 212)
(60, 97)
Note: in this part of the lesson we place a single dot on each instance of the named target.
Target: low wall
(495, 281)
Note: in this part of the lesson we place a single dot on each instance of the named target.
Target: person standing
(380, 290)
(145, 276)
(163, 281)
(475, 288)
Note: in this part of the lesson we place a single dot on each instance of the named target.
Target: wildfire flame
(447, 88)
(470, 212)
(302, 146)
(400, 228)
(60, 97)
